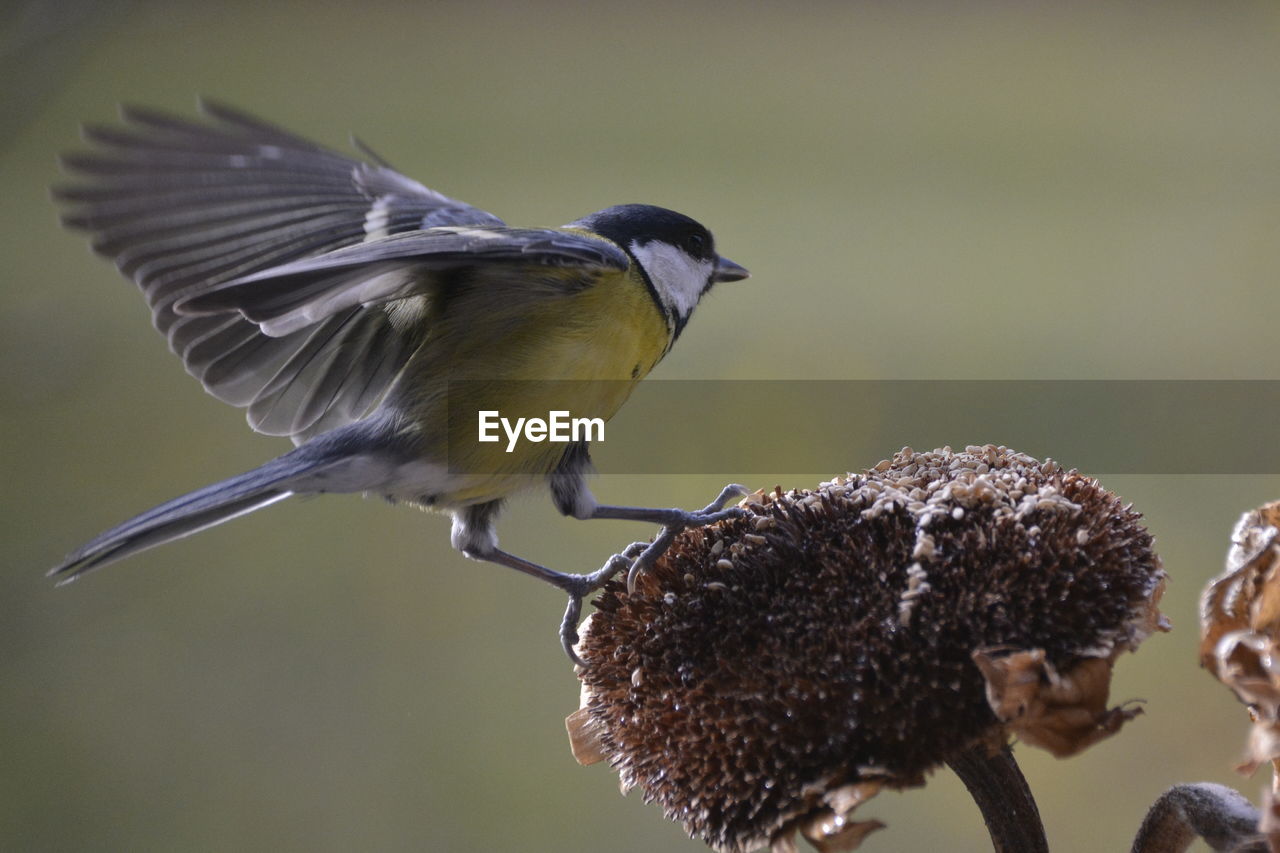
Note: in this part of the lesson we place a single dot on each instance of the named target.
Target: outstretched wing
(295, 295)
(396, 283)
(208, 210)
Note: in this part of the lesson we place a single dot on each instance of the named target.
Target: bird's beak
(727, 270)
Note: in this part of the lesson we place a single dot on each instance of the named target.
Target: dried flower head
(1240, 640)
(770, 673)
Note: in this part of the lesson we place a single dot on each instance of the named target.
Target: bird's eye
(696, 243)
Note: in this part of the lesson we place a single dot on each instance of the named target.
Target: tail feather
(190, 513)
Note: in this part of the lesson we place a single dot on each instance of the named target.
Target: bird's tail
(194, 512)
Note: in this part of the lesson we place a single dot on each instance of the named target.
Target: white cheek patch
(678, 278)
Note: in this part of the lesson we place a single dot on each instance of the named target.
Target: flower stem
(998, 787)
(1218, 814)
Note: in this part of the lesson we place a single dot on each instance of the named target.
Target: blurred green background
(1008, 191)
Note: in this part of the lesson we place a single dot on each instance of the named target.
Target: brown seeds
(785, 686)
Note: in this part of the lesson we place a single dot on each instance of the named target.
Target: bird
(357, 312)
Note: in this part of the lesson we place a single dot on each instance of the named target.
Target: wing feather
(285, 298)
(274, 266)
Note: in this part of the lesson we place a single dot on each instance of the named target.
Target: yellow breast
(580, 352)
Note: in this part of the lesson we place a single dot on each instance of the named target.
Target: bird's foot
(639, 556)
(683, 519)
(580, 586)
(635, 558)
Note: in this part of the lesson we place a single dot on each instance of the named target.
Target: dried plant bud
(771, 673)
(1239, 629)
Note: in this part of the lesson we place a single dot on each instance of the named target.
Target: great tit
(342, 304)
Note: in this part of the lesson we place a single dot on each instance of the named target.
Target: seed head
(772, 672)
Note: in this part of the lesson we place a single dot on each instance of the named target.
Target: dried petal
(1059, 712)
(1240, 629)
(584, 738)
(830, 830)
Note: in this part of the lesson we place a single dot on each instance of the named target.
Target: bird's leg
(473, 535)
(677, 518)
(578, 587)
(672, 521)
